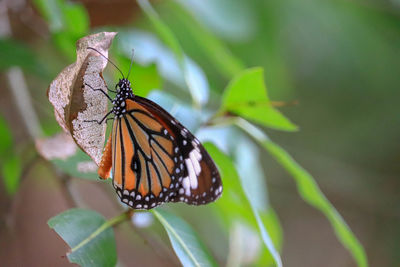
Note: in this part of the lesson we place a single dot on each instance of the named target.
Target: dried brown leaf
(75, 102)
(60, 146)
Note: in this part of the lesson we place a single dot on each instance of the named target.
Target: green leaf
(310, 192)
(187, 245)
(6, 139)
(88, 234)
(144, 78)
(188, 116)
(10, 163)
(51, 11)
(15, 53)
(70, 166)
(213, 48)
(76, 19)
(199, 93)
(68, 17)
(11, 171)
(246, 96)
(67, 21)
(65, 43)
(236, 204)
(165, 33)
(149, 49)
(233, 202)
(250, 172)
(271, 222)
(217, 16)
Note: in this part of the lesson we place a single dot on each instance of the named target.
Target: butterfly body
(153, 158)
(124, 92)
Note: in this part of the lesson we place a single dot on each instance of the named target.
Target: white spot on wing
(196, 154)
(186, 185)
(195, 161)
(192, 174)
(183, 132)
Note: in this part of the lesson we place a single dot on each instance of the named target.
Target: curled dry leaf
(75, 103)
(60, 146)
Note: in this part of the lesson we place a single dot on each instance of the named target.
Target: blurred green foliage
(67, 22)
(192, 63)
(10, 162)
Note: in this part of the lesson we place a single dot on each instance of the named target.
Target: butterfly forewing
(156, 160)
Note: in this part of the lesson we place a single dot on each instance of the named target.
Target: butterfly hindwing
(156, 160)
(201, 182)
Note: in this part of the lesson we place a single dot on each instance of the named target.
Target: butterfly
(152, 157)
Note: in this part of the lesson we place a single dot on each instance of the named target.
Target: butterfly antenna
(107, 60)
(130, 67)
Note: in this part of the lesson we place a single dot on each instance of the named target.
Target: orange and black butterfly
(153, 158)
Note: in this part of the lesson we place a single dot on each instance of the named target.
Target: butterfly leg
(101, 90)
(101, 121)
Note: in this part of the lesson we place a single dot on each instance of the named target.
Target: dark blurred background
(338, 59)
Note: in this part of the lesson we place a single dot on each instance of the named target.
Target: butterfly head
(124, 85)
(124, 91)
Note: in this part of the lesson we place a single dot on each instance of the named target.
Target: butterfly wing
(156, 160)
(199, 180)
